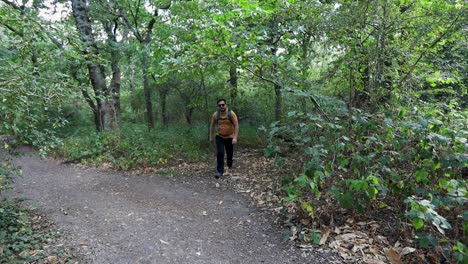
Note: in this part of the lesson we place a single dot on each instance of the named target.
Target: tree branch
(19, 8)
(427, 50)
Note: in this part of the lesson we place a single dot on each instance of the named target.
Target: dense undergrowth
(22, 236)
(408, 164)
(134, 147)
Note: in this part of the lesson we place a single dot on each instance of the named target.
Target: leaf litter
(362, 240)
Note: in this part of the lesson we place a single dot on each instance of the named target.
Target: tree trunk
(163, 99)
(188, 115)
(233, 82)
(147, 90)
(278, 93)
(278, 102)
(116, 76)
(105, 111)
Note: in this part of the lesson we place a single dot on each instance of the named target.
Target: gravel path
(116, 217)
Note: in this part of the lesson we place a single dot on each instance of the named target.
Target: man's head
(222, 105)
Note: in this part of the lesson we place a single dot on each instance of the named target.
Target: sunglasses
(221, 105)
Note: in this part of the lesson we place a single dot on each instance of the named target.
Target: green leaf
(425, 240)
(309, 150)
(302, 180)
(418, 223)
(421, 175)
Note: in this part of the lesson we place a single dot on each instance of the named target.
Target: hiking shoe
(218, 175)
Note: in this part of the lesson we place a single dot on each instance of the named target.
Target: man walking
(228, 130)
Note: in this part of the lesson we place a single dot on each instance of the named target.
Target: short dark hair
(222, 99)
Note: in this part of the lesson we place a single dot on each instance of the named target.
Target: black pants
(221, 144)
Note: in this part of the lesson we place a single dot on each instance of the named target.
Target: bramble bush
(410, 161)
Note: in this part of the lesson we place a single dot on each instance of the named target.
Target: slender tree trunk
(278, 103)
(278, 93)
(163, 99)
(188, 115)
(306, 40)
(115, 89)
(205, 95)
(147, 90)
(233, 82)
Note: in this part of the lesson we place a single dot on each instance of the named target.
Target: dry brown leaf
(337, 230)
(346, 237)
(334, 244)
(325, 234)
(393, 256)
(407, 250)
(374, 261)
(381, 239)
(52, 259)
(344, 253)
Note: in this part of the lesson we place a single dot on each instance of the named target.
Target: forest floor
(179, 214)
(373, 237)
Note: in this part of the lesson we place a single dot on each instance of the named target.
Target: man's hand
(234, 141)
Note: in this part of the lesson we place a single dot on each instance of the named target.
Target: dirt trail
(114, 217)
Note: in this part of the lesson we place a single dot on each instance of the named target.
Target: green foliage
(33, 89)
(135, 148)
(20, 239)
(5, 175)
(370, 161)
(366, 53)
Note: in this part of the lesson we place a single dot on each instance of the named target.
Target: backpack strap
(218, 116)
(230, 115)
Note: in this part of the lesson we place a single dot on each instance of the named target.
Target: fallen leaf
(204, 213)
(344, 253)
(347, 237)
(393, 256)
(337, 230)
(163, 242)
(407, 250)
(325, 235)
(52, 259)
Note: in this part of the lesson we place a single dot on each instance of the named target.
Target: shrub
(411, 162)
